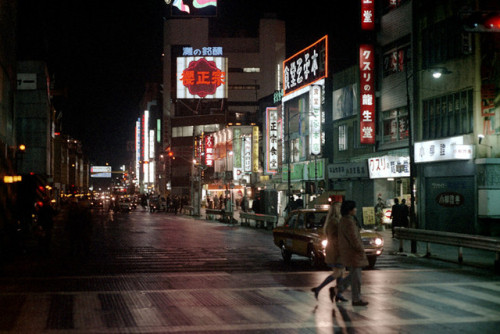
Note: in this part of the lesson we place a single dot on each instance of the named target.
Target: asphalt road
(160, 273)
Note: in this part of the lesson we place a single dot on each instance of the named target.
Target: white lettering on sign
(367, 94)
(389, 166)
(272, 139)
(315, 120)
(306, 66)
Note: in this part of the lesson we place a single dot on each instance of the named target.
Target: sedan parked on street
(302, 234)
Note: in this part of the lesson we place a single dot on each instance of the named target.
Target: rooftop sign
(306, 67)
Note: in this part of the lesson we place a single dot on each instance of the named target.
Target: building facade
(247, 68)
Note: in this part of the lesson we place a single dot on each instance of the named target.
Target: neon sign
(367, 14)
(306, 66)
(209, 151)
(367, 94)
(194, 7)
(272, 139)
(201, 77)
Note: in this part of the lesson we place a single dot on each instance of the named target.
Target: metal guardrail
(259, 217)
(451, 239)
(227, 216)
(189, 209)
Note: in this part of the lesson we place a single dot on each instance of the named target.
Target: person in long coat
(351, 251)
(332, 253)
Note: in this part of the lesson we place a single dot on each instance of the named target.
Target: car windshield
(315, 219)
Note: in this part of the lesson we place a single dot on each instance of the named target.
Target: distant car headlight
(378, 242)
(324, 243)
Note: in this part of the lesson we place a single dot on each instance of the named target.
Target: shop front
(391, 180)
(350, 181)
(447, 181)
(306, 181)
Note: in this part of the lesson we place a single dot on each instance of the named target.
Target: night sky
(103, 52)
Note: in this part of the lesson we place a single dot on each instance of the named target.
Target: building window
(448, 115)
(396, 60)
(392, 4)
(395, 125)
(343, 137)
(444, 41)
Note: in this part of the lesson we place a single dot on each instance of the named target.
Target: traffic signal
(481, 21)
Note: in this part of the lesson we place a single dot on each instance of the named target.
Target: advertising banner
(201, 77)
(193, 8)
(389, 167)
(367, 14)
(272, 140)
(306, 66)
(367, 94)
(209, 151)
(315, 120)
(452, 148)
(100, 171)
(255, 149)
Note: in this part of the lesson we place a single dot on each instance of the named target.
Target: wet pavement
(160, 273)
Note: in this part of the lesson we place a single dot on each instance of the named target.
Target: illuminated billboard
(201, 77)
(306, 67)
(100, 171)
(367, 93)
(193, 8)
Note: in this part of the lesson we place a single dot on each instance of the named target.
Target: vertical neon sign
(367, 94)
(367, 14)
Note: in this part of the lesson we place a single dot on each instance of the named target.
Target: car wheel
(286, 254)
(371, 261)
(313, 258)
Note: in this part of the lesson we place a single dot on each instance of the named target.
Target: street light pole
(413, 221)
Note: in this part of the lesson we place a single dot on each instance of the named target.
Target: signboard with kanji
(367, 14)
(367, 94)
(201, 77)
(272, 140)
(315, 120)
(209, 151)
(306, 67)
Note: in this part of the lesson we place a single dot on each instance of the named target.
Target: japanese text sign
(272, 140)
(201, 77)
(315, 120)
(209, 151)
(367, 14)
(306, 66)
(367, 94)
(389, 166)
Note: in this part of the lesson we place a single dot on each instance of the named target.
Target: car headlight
(324, 243)
(378, 242)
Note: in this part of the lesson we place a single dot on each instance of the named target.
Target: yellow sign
(368, 215)
(255, 149)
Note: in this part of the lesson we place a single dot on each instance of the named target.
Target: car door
(288, 230)
(300, 240)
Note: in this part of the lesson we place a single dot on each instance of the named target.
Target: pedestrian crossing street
(265, 302)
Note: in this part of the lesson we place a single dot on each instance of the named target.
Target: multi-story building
(457, 133)
(8, 144)
(436, 134)
(244, 66)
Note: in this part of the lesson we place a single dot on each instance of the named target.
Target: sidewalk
(471, 257)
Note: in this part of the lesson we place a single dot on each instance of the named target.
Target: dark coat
(404, 213)
(396, 215)
(352, 253)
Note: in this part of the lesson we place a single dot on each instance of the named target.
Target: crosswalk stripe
(36, 309)
(88, 311)
(451, 302)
